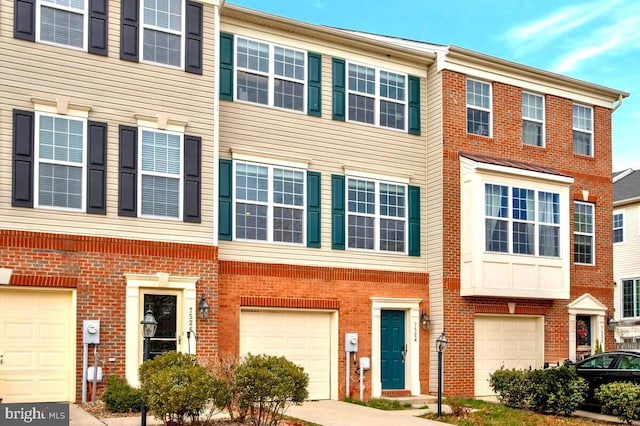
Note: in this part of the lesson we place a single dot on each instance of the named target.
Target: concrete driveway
(338, 413)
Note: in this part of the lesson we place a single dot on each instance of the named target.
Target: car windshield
(602, 361)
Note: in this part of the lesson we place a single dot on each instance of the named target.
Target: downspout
(618, 105)
(216, 115)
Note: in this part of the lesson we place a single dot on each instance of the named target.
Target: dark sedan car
(607, 367)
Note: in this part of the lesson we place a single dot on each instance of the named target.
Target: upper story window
(522, 221)
(62, 22)
(583, 233)
(631, 298)
(478, 108)
(60, 161)
(162, 32)
(532, 119)
(582, 130)
(618, 227)
(160, 177)
(376, 96)
(270, 75)
(269, 203)
(376, 215)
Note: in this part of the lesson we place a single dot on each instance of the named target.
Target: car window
(629, 362)
(602, 361)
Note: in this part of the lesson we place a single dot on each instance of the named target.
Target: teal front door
(393, 349)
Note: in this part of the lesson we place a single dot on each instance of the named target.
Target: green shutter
(226, 66)
(414, 105)
(339, 100)
(414, 221)
(225, 220)
(314, 76)
(337, 212)
(313, 209)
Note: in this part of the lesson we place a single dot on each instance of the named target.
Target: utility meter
(351, 342)
(91, 332)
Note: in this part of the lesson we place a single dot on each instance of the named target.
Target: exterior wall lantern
(424, 320)
(203, 307)
(441, 345)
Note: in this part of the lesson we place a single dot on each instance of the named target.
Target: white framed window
(582, 130)
(631, 298)
(479, 108)
(270, 74)
(60, 166)
(376, 96)
(618, 227)
(162, 38)
(522, 221)
(269, 203)
(160, 180)
(62, 22)
(376, 215)
(532, 119)
(583, 233)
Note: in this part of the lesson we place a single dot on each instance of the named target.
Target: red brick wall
(347, 290)
(95, 267)
(592, 173)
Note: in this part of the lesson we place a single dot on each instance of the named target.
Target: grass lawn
(489, 414)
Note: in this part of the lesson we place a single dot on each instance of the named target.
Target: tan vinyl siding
(625, 254)
(329, 146)
(434, 214)
(115, 90)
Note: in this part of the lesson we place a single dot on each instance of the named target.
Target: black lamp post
(149, 326)
(441, 345)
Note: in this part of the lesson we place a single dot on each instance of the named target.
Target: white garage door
(302, 337)
(37, 338)
(509, 341)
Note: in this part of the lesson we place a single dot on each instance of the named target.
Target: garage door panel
(304, 338)
(37, 338)
(509, 342)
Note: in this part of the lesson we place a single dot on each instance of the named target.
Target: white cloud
(535, 35)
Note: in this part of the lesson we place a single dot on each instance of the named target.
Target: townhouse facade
(626, 242)
(335, 197)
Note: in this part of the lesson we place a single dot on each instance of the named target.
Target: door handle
(1, 359)
(403, 348)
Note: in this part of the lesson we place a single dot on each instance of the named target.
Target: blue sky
(597, 41)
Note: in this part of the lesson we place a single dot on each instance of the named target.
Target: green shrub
(120, 397)
(511, 385)
(556, 390)
(621, 399)
(175, 387)
(267, 386)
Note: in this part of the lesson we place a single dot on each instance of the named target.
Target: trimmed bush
(225, 394)
(621, 399)
(556, 390)
(511, 385)
(267, 386)
(120, 397)
(175, 387)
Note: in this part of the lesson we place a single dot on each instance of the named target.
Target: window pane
(392, 200)
(287, 225)
(391, 115)
(477, 122)
(549, 241)
(289, 95)
(361, 232)
(478, 94)
(362, 79)
(251, 221)
(392, 85)
(62, 26)
(392, 235)
(60, 186)
(288, 187)
(523, 238)
(583, 249)
(164, 14)
(629, 306)
(361, 196)
(496, 200)
(161, 47)
(582, 143)
(253, 88)
(618, 228)
(289, 63)
(532, 133)
(161, 152)
(496, 235)
(583, 218)
(252, 182)
(252, 55)
(160, 196)
(361, 108)
(532, 107)
(523, 204)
